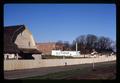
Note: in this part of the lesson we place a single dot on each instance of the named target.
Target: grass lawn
(105, 70)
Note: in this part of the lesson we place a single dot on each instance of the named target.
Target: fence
(27, 64)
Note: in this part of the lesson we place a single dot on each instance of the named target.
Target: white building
(65, 53)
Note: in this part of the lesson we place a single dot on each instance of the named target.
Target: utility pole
(93, 64)
(76, 48)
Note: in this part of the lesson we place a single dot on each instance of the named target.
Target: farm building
(46, 48)
(19, 42)
(65, 53)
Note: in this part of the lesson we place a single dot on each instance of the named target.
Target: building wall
(9, 56)
(65, 53)
(37, 56)
(46, 48)
(25, 40)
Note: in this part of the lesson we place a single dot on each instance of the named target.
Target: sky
(54, 22)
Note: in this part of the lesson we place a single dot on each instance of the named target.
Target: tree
(59, 45)
(113, 46)
(62, 45)
(104, 44)
(88, 42)
(73, 45)
(81, 41)
(66, 45)
(91, 42)
(59, 42)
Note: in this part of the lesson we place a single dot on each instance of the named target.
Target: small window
(29, 43)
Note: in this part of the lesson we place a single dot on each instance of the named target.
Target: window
(29, 43)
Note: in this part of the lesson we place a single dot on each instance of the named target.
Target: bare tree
(104, 45)
(66, 45)
(88, 42)
(59, 44)
(73, 45)
(81, 40)
(113, 46)
(91, 41)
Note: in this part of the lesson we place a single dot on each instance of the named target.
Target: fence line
(27, 64)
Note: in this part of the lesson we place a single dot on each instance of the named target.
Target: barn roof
(10, 48)
(10, 35)
(30, 51)
(13, 31)
(9, 38)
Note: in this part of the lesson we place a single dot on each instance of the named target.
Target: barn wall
(27, 64)
(25, 40)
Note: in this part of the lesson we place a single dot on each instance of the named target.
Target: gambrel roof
(10, 35)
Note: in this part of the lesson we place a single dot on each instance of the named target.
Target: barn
(19, 43)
